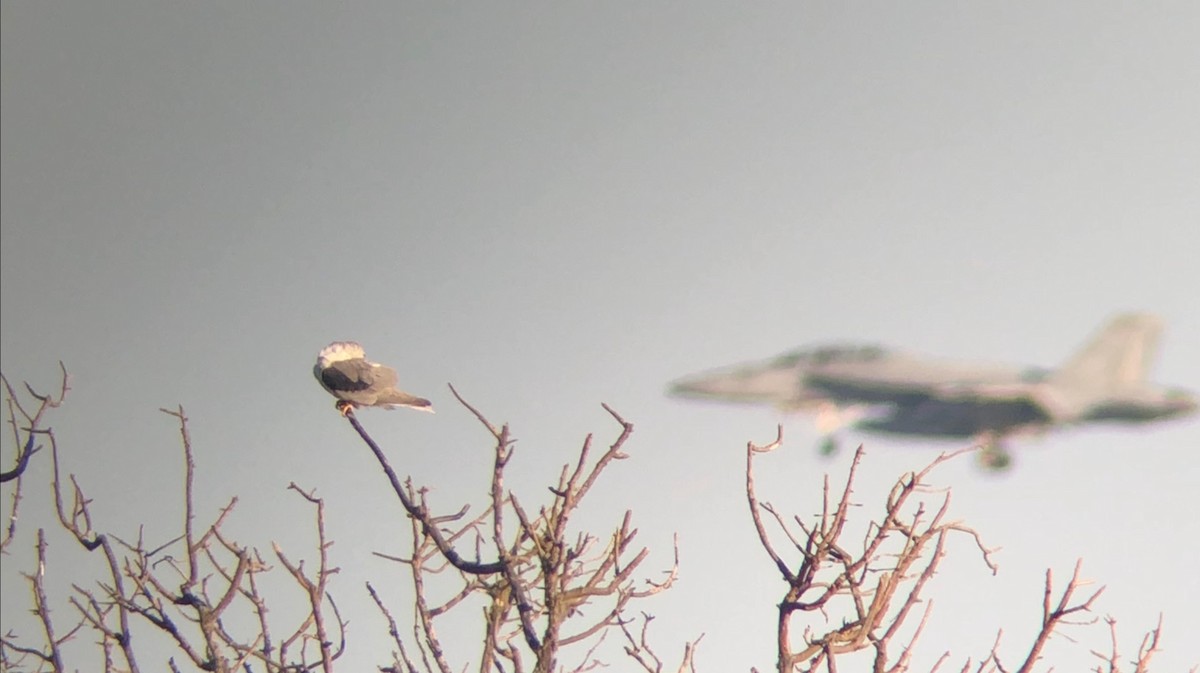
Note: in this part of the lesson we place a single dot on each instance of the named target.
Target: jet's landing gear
(993, 455)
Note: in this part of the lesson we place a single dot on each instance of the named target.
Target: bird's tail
(395, 398)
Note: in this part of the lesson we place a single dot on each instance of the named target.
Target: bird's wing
(353, 376)
(383, 376)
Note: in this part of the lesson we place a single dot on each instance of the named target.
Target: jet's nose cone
(746, 384)
(696, 386)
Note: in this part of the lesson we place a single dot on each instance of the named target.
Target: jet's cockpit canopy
(829, 354)
(1036, 374)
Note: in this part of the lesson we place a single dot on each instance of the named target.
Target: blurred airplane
(886, 392)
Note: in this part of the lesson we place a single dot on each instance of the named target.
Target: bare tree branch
(540, 584)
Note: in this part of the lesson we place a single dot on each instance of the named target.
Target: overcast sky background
(556, 206)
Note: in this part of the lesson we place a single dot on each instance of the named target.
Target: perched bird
(343, 369)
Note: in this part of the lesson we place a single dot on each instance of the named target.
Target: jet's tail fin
(1120, 354)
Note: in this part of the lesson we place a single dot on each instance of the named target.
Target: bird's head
(339, 351)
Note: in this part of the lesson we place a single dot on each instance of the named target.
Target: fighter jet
(876, 390)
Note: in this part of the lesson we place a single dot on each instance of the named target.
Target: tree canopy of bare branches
(200, 589)
(875, 584)
(547, 594)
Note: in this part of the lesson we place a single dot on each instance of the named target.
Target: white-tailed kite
(343, 369)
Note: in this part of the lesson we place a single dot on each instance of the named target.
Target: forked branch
(543, 576)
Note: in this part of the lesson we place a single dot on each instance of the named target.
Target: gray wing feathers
(383, 376)
(368, 384)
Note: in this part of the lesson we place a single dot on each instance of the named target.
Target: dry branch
(542, 575)
(873, 586)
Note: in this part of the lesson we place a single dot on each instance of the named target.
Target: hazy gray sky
(557, 206)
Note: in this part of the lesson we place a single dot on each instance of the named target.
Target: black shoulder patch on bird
(348, 375)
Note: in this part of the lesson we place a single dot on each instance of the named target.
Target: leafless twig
(543, 575)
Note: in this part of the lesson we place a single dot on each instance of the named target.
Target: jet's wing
(936, 417)
(905, 379)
